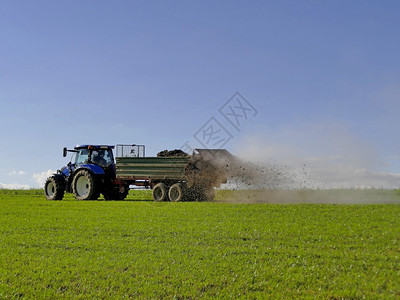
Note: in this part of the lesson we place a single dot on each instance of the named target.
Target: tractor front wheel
(84, 186)
(53, 190)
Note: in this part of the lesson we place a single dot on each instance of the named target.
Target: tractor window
(102, 157)
(82, 156)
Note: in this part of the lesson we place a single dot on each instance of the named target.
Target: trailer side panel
(154, 168)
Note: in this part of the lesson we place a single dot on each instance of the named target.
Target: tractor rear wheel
(176, 192)
(160, 192)
(84, 186)
(53, 190)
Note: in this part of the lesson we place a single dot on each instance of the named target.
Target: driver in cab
(98, 158)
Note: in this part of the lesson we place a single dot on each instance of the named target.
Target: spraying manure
(272, 182)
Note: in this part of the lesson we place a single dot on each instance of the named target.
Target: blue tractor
(90, 173)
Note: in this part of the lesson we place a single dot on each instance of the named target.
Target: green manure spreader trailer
(172, 175)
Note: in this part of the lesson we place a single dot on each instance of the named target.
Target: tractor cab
(89, 154)
(92, 154)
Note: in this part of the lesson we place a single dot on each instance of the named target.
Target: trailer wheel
(84, 186)
(176, 192)
(53, 190)
(160, 192)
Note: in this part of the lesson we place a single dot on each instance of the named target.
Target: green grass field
(141, 249)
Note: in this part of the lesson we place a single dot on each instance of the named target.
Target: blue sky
(323, 77)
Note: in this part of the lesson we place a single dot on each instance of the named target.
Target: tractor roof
(93, 147)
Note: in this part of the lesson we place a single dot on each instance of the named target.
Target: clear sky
(322, 78)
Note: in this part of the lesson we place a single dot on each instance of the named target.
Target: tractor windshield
(82, 156)
(103, 157)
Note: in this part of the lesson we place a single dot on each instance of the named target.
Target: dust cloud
(323, 165)
(265, 182)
